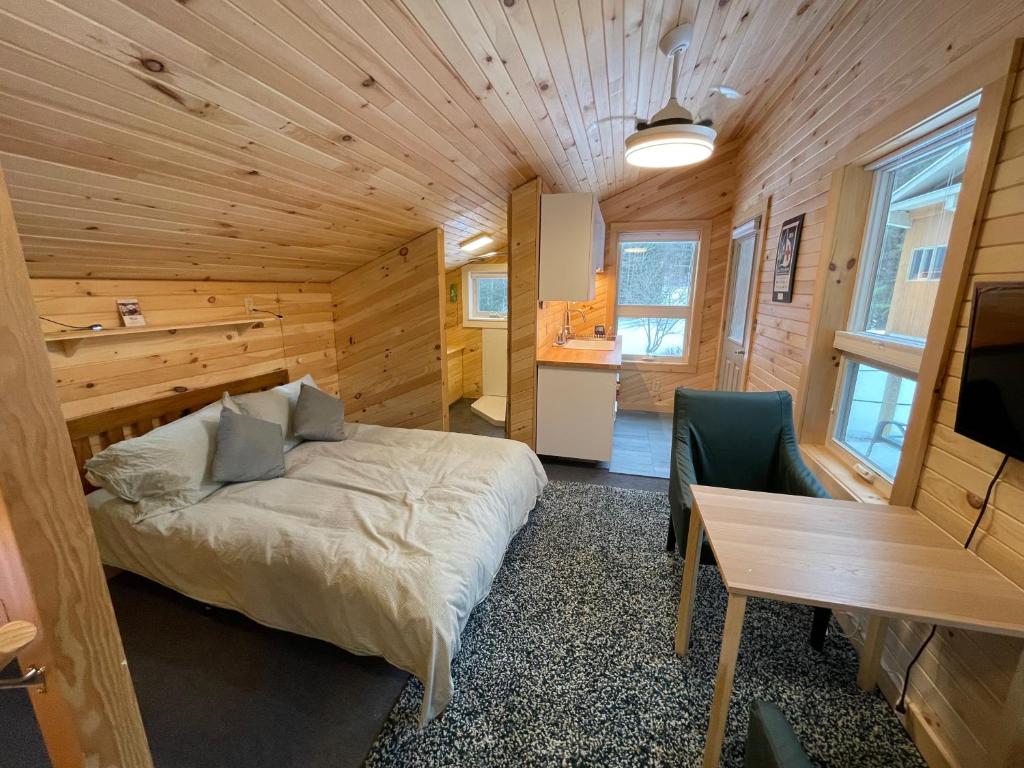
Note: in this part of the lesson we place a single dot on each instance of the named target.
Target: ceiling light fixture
(671, 138)
(475, 243)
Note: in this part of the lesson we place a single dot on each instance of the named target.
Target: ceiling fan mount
(671, 137)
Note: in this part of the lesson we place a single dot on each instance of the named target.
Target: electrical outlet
(250, 305)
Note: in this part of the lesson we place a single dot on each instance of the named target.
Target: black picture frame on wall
(785, 259)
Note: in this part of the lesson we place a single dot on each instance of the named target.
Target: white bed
(381, 544)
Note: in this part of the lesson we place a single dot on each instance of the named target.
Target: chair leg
(819, 626)
(670, 545)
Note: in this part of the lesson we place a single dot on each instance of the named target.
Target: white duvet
(381, 544)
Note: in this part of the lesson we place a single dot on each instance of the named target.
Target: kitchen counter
(582, 358)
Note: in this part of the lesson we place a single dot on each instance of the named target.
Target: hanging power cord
(93, 327)
(280, 328)
(901, 705)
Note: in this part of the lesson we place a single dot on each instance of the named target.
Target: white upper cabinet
(571, 246)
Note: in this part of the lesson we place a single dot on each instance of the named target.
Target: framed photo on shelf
(130, 312)
(785, 259)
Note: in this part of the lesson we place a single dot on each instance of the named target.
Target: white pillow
(276, 405)
(163, 470)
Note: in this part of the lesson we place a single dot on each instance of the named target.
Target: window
(656, 287)
(874, 413)
(911, 213)
(926, 263)
(485, 295)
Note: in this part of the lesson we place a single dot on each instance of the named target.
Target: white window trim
(468, 299)
(649, 232)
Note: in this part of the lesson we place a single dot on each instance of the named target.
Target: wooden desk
(882, 560)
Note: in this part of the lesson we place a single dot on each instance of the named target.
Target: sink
(605, 345)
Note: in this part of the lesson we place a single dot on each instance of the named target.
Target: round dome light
(670, 146)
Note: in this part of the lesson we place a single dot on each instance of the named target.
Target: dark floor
(217, 690)
(462, 419)
(641, 443)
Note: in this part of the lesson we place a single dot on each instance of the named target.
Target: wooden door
(736, 332)
(50, 572)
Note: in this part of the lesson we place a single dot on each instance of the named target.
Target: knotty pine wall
(389, 326)
(523, 256)
(105, 373)
(458, 335)
(866, 66)
(705, 192)
(469, 339)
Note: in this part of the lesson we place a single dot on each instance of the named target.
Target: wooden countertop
(582, 358)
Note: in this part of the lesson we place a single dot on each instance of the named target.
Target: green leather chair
(742, 440)
(771, 742)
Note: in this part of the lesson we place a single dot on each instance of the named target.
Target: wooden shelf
(69, 341)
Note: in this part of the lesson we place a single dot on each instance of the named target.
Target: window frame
(983, 88)
(648, 231)
(893, 354)
(470, 273)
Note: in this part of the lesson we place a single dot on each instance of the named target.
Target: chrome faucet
(566, 332)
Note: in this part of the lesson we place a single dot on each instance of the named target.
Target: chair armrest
(793, 476)
(771, 742)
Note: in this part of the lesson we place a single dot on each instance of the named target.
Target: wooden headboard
(91, 434)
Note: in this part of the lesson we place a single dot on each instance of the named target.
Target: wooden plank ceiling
(296, 139)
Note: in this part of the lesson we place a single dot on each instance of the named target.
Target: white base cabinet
(575, 412)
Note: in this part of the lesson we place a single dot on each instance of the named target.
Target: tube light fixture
(476, 242)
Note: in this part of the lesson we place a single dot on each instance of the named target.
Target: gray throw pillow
(319, 416)
(247, 449)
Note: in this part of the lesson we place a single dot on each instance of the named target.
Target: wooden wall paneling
(458, 335)
(845, 219)
(50, 569)
(111, 372)
(847, 89)
(470, 360)
(389, 327)
(523, 253)
(956, 471)
(967, 224)
(701, 193)
(306, 137)
(856, 85)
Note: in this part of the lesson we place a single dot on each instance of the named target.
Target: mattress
(381, 544)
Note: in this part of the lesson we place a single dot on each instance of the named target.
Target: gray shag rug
(569, 661)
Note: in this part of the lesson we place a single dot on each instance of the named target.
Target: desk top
(844, 554)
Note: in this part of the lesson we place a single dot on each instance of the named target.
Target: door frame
(760, 216)
(51, 575)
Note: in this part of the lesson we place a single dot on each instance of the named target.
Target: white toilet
(491, 407)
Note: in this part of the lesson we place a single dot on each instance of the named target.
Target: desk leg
(694, 539)
(871, 653)
(723, 680)
(1010, 753)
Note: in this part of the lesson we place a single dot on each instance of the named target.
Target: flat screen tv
(991, 407)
